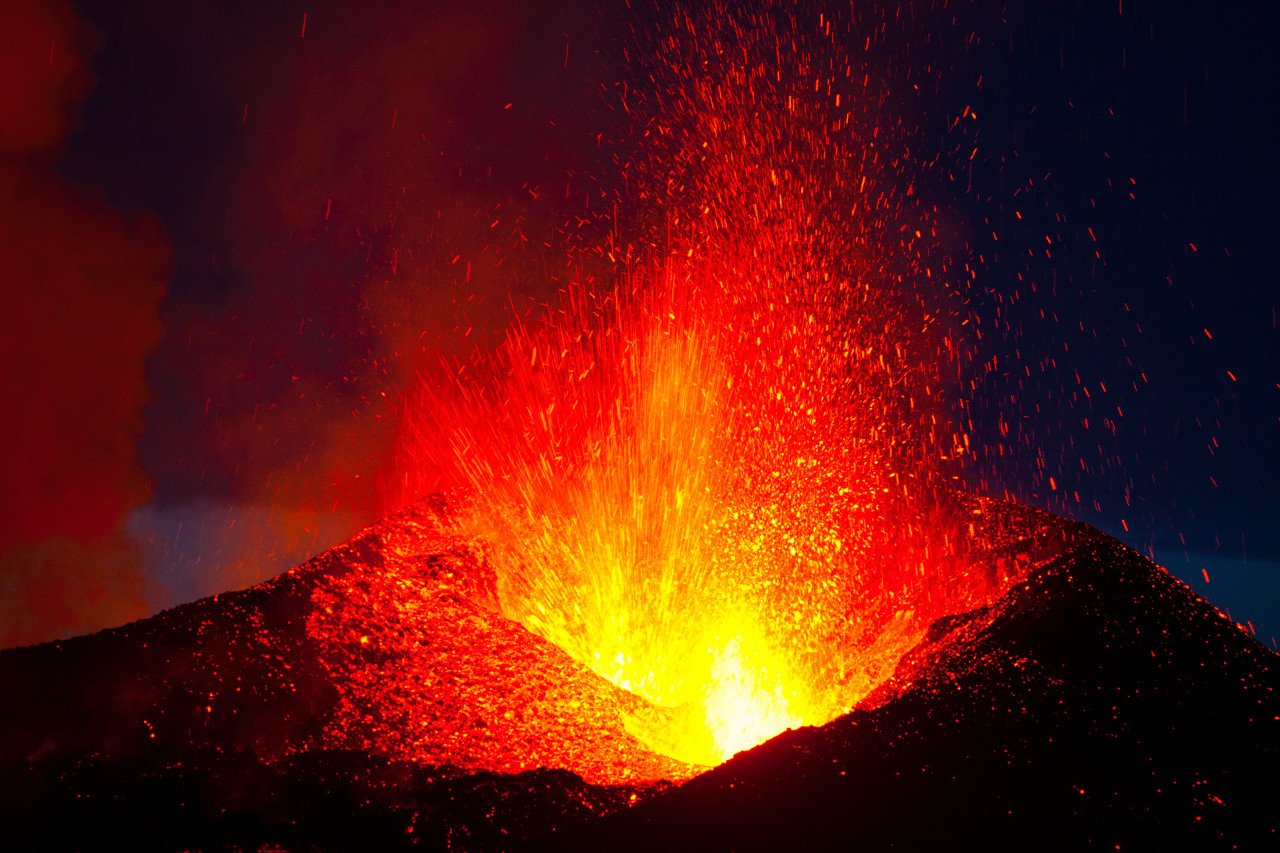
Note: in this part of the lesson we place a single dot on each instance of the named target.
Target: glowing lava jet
(709, 476)
(671, 503)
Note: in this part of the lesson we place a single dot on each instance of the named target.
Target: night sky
(263, 220)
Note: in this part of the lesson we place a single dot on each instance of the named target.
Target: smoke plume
(83, 282)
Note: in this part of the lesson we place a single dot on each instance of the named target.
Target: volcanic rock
(1099, 704)
(375, 679)
(375, 697)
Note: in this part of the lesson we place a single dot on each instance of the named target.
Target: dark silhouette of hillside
(374, 698)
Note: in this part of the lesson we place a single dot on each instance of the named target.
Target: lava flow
(711, 474)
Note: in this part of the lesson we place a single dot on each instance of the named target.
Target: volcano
(377, 697)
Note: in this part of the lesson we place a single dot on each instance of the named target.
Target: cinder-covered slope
(1098, 704)
(390, 643)
(377, 678)
(375, 698)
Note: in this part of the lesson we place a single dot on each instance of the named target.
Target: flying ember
(711, 472)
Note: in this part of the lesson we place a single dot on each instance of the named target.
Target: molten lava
(705, 519)
(710, 473)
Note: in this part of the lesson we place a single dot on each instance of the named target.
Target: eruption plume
(710, 473)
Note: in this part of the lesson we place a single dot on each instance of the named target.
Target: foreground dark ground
(1098, 704)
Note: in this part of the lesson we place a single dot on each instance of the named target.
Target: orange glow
(709, 474)
(707, 518)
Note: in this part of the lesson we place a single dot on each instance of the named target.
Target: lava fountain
(710, 474)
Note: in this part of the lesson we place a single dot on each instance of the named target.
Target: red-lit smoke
(82, 286)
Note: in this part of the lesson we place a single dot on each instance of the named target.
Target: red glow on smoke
(82, 288)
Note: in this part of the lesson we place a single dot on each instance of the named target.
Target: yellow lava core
(745, 705)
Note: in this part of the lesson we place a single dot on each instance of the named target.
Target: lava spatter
(712, 474)
(405, 625)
